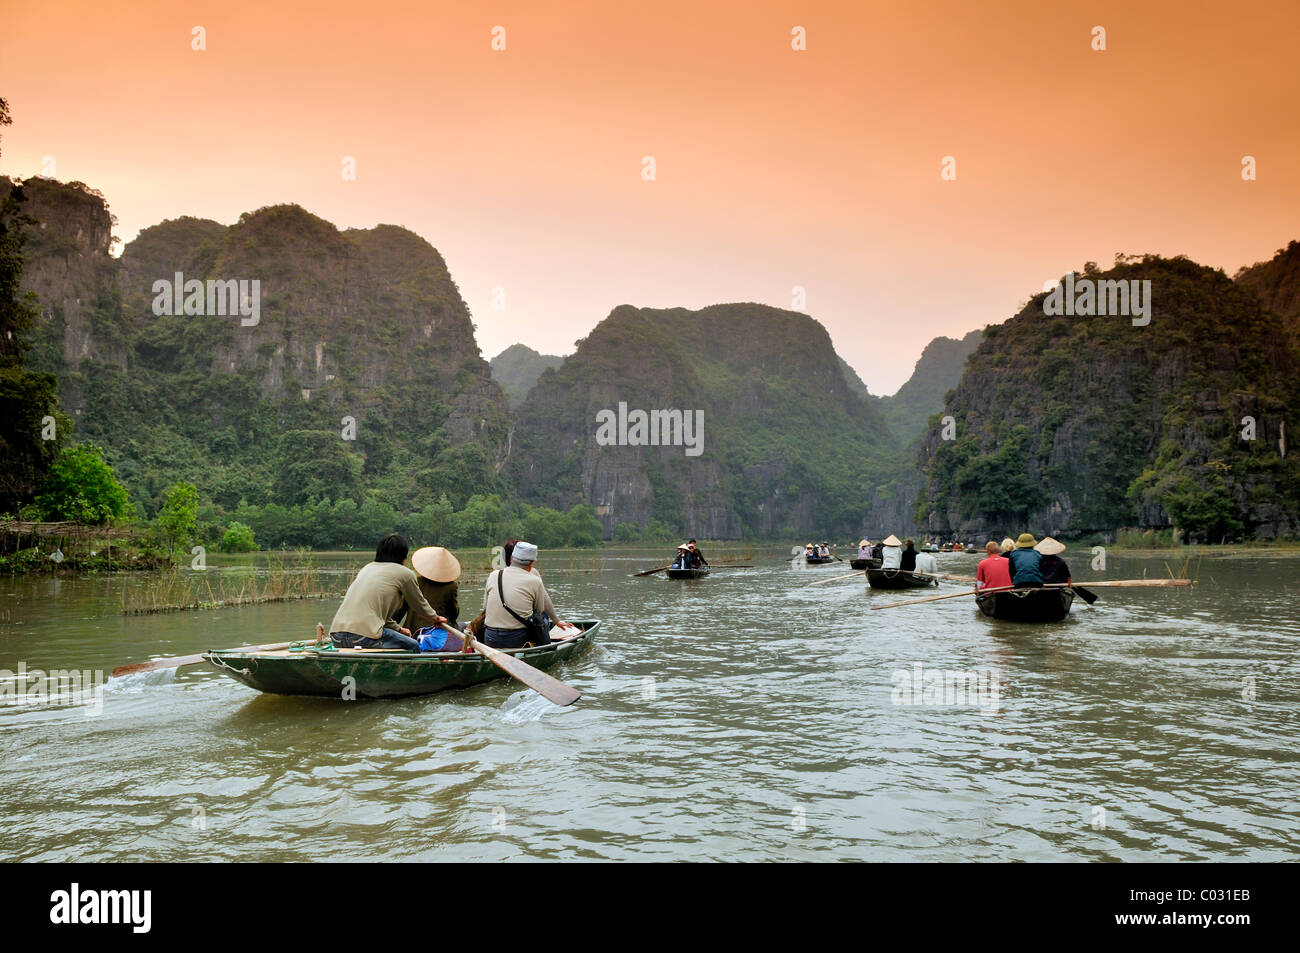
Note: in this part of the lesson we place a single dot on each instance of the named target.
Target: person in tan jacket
(381, 588)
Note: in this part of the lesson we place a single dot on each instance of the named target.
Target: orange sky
(775, 168)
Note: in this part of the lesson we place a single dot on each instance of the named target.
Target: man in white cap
(514, 601)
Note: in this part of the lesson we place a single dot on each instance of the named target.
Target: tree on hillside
(179, 516)
(81, 487)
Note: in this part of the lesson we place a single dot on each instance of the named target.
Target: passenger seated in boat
(683, 558)
(993, 571)
(525, 599)
(808, 550)
(1008, 544)
(908, 562)
(864, 549)
(697, 557)
(878, 552)
(1025, 563)
(1053, 567)
(926, 563)
(892, 553)
(438, 570)
(365, 619)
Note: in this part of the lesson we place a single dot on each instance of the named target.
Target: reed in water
(178, 590)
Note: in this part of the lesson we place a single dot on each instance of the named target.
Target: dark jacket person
(1053, 568)
(908, 563)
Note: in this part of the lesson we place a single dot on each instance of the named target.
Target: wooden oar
(550, 688)
(1088, 597)
(650, 572)
(180, 660)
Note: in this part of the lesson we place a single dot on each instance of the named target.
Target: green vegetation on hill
(788, 446)
(517, 368)
(1083, 424)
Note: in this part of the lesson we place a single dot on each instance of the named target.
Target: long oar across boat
(381, 673)
(1049, 603)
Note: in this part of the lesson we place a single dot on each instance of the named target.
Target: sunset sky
(775, 168)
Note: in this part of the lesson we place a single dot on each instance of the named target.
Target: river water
(744, 716)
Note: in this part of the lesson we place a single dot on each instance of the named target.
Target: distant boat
(818, 560)
(380, 673)
(1027, 605)
(898, 579)
(688, 573)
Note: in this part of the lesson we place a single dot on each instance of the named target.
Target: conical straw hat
(436, 564)
(1050, 546)
(893, 541)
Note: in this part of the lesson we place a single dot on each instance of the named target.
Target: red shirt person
(994, 571)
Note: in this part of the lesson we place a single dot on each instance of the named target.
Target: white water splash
(525, 706)
(134, 683)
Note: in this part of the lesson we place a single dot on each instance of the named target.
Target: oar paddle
(651, 572)
(1088, 597)
(181, 660)
(550, 688)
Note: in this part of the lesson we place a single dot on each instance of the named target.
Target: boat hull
(1027, 605)
(898, 579)
(819, 560)
(864, 564)
(381, 674)
(687, 573)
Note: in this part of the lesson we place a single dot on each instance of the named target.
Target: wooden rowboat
(864, 563)
(1027, 605)
(898, 579)
(381, 673)
(818, 560)
(688, 573)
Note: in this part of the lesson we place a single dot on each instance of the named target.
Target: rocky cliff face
(788, 446)
(67, 261)
(1081, 424)
(365, 325)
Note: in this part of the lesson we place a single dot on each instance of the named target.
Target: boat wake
(137, 682)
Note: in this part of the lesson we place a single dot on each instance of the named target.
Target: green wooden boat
(381, 673)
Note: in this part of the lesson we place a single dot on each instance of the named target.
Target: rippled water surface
(745, 716)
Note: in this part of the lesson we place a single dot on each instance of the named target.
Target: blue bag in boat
(437, 639)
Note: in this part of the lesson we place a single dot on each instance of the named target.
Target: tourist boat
(688, 573)
(1027, 605)
(898, 579)
(381, 673)
(864, 563)
(818, 560)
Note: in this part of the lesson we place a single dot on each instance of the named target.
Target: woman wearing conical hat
(892, 556)
(438, 571)
(1053, 567)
